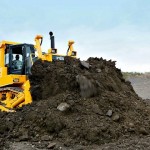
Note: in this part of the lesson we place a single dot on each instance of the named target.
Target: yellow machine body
(15, 88)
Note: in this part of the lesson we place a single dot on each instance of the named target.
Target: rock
(85, 64)
(115, 117)
(78, 118)
(98, 70)
(131, 129)
(63, 107)
(143, 131)
(87, 86)
(109, 113)
(131, 125)
(24, 137)
(96, 109)
(45, 138)
(51, 145)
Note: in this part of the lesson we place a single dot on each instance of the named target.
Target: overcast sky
(112, 29)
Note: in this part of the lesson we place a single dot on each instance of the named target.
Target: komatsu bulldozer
(14, 82)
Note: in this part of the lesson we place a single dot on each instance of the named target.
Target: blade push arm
(70, 51)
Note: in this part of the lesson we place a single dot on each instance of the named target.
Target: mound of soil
(78, 102)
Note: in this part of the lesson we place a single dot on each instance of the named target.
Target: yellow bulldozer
(14, 82)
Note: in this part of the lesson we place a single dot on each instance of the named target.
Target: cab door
(14, 51)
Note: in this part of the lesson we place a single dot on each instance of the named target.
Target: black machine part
(52, 39)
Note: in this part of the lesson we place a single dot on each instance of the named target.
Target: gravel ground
(141, 86)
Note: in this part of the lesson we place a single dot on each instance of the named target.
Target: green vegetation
(131, 74)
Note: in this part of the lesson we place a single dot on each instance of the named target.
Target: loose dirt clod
(91, 95)
(109, 113)
(63, 107)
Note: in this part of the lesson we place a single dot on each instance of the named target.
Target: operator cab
(19, 58)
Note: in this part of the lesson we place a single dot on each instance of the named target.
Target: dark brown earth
(99, 107)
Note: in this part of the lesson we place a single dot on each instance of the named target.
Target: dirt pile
(74, 102)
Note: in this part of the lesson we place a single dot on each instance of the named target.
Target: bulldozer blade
(2, 108)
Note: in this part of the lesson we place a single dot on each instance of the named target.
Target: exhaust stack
(52, 39)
